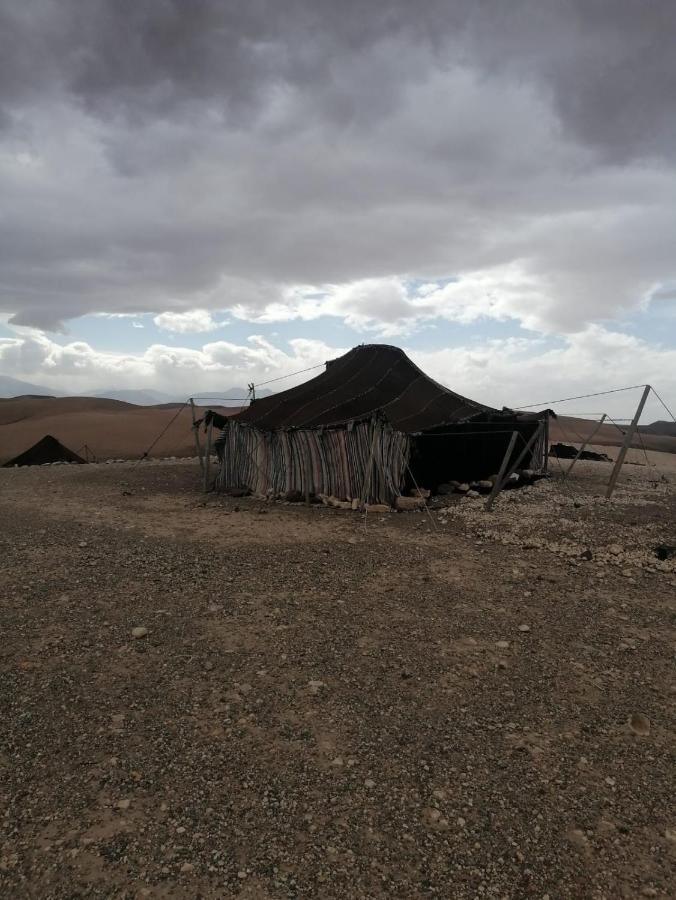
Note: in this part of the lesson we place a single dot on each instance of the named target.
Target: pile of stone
(411, 503)
(485, 486)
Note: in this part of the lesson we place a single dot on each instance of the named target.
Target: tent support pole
(195, 430)
(207, 458)
(308, 470)
(614, 475)
(584, 445)
(505, 472)
(367, 475)
(497, 487)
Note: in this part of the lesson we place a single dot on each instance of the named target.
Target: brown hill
(110, 428)
(574, 431)
(660, 427)
(115, 429)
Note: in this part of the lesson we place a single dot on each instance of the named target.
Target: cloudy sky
(200, 194)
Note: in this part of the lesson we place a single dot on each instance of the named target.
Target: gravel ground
(458, 705)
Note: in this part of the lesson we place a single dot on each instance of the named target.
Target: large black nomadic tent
(368, 427)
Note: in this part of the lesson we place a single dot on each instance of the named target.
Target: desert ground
(452, 704)
(572, 430)
(111, 429)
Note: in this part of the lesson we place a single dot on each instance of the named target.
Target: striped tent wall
(365, 460)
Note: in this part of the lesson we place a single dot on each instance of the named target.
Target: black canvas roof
(47, 450)
(368, 379)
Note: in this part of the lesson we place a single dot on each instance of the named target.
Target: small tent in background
(47, 450)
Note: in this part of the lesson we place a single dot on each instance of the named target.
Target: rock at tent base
(408, 503)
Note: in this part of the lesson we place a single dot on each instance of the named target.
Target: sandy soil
(571, 430)
(111, 429)
(453, 705)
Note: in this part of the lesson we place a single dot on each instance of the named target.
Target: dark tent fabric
(47, 450)
(370, 379)
(369, 427)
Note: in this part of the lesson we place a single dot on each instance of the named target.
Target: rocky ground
(210, 697)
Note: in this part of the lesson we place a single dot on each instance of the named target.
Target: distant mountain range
(232, 396)
(661, 427)
(13, 387)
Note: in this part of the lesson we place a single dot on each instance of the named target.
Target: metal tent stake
(631, 431)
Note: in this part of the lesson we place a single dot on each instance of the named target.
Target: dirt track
(324, 707)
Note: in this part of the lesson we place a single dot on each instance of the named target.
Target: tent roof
(47, 450)
(368, 379)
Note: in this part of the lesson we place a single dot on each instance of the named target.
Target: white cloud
(392, 306)
(192, 321)
(522, 371)
(77, 367)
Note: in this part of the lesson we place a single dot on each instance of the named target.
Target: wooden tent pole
(307, 473)
(366, 486)
(195, 430)
(504, 475)
(207, 458)
(614, 475)
(588, 441)
(503, 468)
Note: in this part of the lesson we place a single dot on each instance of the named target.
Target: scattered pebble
(226, 747)
(639, 724)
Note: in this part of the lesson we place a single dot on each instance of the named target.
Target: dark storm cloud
(166, 154)
(608, 64)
